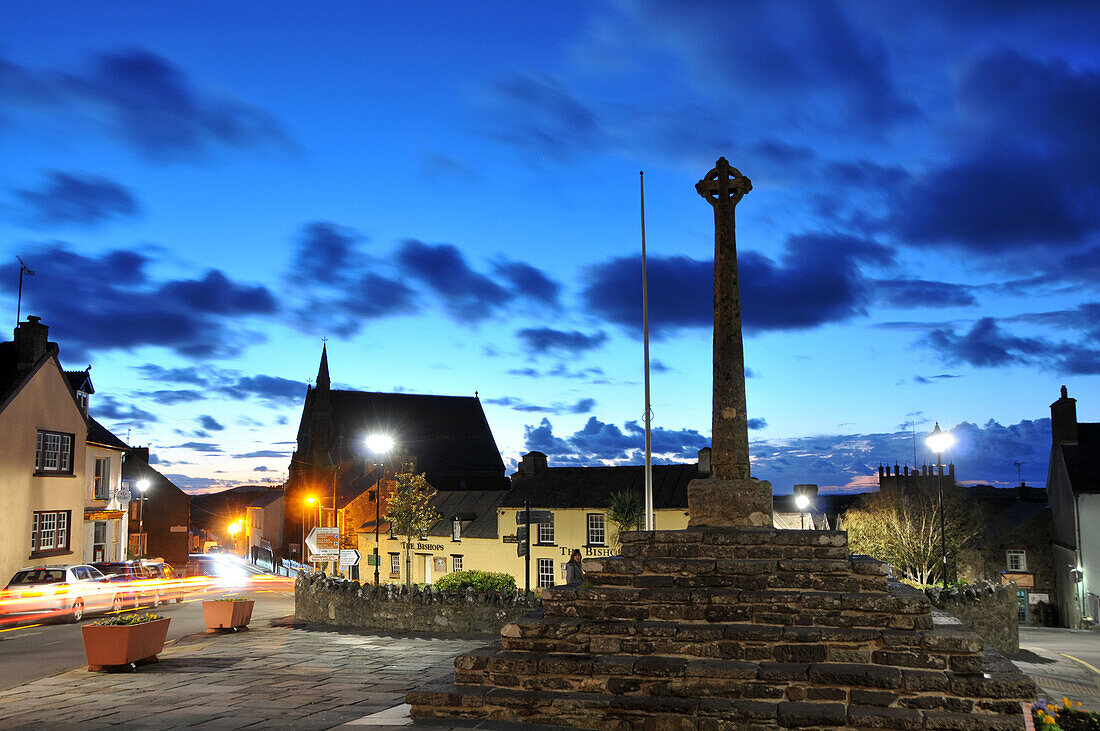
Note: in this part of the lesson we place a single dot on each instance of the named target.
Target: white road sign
(324, 542)
(349, 557)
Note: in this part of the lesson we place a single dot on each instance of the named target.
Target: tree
(902, 527)
(625, 511)
(411, 512)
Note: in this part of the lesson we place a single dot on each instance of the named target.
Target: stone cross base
(718, 503)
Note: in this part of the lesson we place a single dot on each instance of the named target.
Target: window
(53, 453)
(101, 483)
(596, 531)
(1016, 558)
(99, 540)
(50, 531)
(395, 564)
(546, 531)
(456, 563)
(456, 530)
(546, 572)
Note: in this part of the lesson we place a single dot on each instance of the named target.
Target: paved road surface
(1063, 662)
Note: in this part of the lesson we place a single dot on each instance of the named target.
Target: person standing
(574, 574)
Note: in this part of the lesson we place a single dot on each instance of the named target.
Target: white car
(59, 591)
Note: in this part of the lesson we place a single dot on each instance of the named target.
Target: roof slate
(592, 487)
(99, 434)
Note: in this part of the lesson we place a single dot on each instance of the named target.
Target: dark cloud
(984, 345)
(324, 252)
(912, 293)
(198, 446)
(581, 406)
(924, 380)
(110, 302)
(818, 281)
(527, 281)
(274, 389)
(758, 423)
(540, 112)
(659, 366)
(261, 468)
(155, 372)
(469, 296)
(210, 423)
(545, 340)
(598, 442)
(147, 102)
(166, 397)
(109, 407)
(525, 372)
(73, 199)
(1026, 173)
(261, 453)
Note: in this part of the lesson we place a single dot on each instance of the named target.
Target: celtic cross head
(723, 183)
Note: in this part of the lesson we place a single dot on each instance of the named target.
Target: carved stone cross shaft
(723, 187)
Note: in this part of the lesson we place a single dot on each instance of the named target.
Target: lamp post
(379, 445)
(938, 441)
(234, 529)
(804, 497)
(305, 512)
(142, 485)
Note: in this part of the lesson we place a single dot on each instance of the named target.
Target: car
(224, 569)
(66, 591)
(171, 584)
(136, 582)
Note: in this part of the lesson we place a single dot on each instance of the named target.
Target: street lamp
(305, 512)
(379, 445)
(142, 485)
(938, 441)
(804, 496)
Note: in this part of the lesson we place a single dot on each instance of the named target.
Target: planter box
(106, 645)
(222, 614)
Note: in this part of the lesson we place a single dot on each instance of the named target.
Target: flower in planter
(127, 619)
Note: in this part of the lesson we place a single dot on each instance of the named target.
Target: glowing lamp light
(939, 441)
(142, 485)
(379, 443)
(802, 501)
(234, 528)
(310, 500)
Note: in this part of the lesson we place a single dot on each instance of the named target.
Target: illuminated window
(395, 564)
(101, 482)
(1016, 558)
(456, 562)
(53, 453)
(546, 572)
(597, 534)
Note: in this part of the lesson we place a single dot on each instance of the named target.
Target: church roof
(592, 487)
(448, 435)
(1083, 458)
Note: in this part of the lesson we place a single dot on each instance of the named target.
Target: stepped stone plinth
(733, 628)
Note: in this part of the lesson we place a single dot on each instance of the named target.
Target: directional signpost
(349, 557)
(323, 544)
(537, 516)
(523, 545)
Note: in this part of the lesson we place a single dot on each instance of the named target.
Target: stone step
(858, 709)
(736, 537)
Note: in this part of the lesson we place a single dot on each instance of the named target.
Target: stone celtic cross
(723, 187)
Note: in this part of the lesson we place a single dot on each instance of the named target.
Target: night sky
(448, 192)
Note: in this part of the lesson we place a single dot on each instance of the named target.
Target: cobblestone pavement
(278, 676)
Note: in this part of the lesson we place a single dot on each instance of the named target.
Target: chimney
(704, 462)
(1063, 419)
(532, 463)
(141, 453)
(30, 341)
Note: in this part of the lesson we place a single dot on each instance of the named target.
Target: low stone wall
(987, 609)
(318, 598)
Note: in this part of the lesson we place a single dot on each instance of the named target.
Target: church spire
(323, 381)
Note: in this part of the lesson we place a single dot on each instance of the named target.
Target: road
(32, 651)
(1066, 662)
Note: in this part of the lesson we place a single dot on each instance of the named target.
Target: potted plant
(124, 640)
(227, 613)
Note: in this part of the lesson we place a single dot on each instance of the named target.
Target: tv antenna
(23, 269)
(1018, 478)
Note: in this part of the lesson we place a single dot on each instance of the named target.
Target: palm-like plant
(625, 511)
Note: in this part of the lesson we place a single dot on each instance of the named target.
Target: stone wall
(987, 609)
(393, 608)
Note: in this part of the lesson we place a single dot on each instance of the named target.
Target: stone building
(445, 437)
(160, 527)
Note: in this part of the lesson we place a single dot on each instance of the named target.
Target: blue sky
(449, 194)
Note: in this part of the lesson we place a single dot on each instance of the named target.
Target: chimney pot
(31, 341)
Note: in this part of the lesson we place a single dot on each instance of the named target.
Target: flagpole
(645, 341)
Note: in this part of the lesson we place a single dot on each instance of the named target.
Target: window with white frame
(546, 572)
(1016, 559)
(53, 453)
(597, 529)
(395, 564)
(456, 529)
(456, 563)
(546, 531)
(49, 530)
(101, 482)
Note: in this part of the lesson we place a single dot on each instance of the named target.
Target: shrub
(478, 581)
